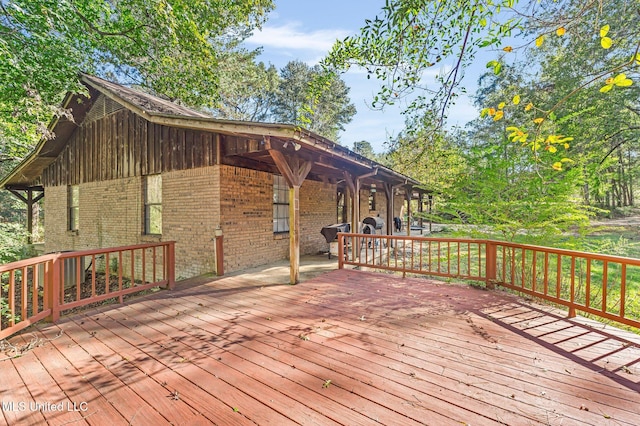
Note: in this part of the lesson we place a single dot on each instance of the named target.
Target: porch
(346, 347)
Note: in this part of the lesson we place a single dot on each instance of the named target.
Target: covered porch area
(344, 347)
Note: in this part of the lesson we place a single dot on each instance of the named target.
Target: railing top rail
(67, 254)
(64, 255)
(414, 237)
(26, 262)
(575, 253)
(565, 252)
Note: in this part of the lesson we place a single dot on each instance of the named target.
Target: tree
(170, 48)
(330, 111)
(365, 149)
(410, 37)
(248, 90)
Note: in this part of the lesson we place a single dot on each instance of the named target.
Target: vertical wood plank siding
(122, 145)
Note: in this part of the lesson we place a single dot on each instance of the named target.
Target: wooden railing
(42, 287)
(601, 285)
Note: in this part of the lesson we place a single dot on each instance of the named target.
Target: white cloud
(291, 37)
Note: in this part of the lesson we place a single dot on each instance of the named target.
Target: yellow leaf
(566, 146)
(484, 112)
(557, 166)
(605, 89)
(516, 99)
(560, 31)
(492, 112)
(512, 129)
(538, 120)
(622, 80)
(498, 116)
(638, 59)
(508, 49)
(604, 30)
(552, 149)
(501, 105)
(528, 107)
(606, 42)
(610, 80)
(539, 41)
(567, 160)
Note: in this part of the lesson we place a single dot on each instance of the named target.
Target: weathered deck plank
(396, 351)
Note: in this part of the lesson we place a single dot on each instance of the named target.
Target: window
(74, 207)
(153, 205)
(280, 205)
(372, 200)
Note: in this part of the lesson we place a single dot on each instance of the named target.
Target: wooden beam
(388, 192)
(295, 171)
(408, 194)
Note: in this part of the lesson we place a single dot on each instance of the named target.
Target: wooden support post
(171, 265)
(219, 241)
(408, 194)
(30, 201)
(388, 192)
(491, 260)
(430, 211)
(52, 283)
(295, 171)
(294, 234)
(420, 210)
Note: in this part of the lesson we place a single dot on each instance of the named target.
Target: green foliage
(428, 155)
(13, 240)
(170, 48)
(248, 89)
(413, 37)
(326, 114)
(365, 149)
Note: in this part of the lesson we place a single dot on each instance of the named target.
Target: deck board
(396, 351)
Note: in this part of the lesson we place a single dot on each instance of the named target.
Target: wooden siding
(122, 145)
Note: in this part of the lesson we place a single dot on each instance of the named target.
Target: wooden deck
(347, 347)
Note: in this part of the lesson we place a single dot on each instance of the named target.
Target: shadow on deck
(346, 347)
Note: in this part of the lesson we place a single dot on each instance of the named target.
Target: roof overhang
(325, 153)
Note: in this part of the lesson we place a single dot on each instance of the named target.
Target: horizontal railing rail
(41, 288)
(602, 285)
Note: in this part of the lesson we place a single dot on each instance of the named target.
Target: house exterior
(132, 168)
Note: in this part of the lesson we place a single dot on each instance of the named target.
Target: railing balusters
(23, 292)
(546, 273)
(588, 285)
(107, 272)
(520, 275)
(23, 302)
(605, 278)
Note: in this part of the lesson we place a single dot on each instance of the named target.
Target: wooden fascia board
(39, 146)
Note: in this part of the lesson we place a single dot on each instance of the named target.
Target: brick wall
(194, 203)
(246, 206)
(190, 215)
(110, 215)
(318, 208)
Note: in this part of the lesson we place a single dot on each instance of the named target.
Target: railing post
(340, 250)
(491, 264)
(219, 241)
(171, 265)
(53, 286)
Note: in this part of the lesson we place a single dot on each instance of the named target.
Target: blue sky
(306, 29)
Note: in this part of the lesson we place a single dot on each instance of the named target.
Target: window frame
(73, 208)
(280, 205)
(372, 201)
(152, 205)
